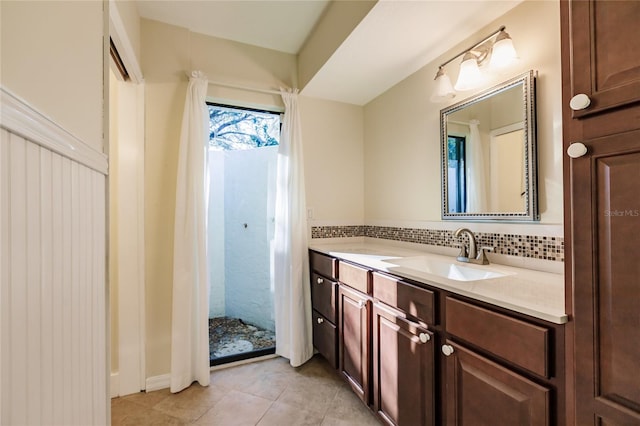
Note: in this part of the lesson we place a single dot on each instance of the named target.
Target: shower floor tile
(233, 336)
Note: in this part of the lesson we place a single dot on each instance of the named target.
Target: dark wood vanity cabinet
(324, 293)
(601, 58)
(403, 352)
(500, 369)
(354, 339)
(480, 392)
(422, 356)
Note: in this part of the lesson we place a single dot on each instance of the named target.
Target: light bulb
(469, 76)
(503, 52)
(444, 90)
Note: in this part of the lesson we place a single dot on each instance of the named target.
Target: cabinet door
(605, 53)
(403, 369)
(606, 222)
(480, 392)
(354, 326)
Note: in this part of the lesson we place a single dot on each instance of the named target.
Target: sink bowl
(450, 270)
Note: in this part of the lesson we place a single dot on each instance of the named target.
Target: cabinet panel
(355, 277)
(325, 338)
(323, 296)
(403, 369)
(607, 294)
(415, 301)
(605, 54)
(354, 328)
(324, 265)
(480, 392)
(514, 340)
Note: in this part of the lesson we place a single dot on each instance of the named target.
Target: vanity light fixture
(444, 88)
(499, 52)
(469, 76)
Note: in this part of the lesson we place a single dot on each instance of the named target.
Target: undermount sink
(450, 270)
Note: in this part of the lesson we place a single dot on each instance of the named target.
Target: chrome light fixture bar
(501, 52)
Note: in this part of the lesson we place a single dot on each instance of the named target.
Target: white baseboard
(158, 382)
(114, 385)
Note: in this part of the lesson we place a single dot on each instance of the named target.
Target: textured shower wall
(249, 196)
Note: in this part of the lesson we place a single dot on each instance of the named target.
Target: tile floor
(263, 393)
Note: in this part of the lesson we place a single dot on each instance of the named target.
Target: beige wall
(332, 133)
(401, 127)
(332, 136)
(52, 57)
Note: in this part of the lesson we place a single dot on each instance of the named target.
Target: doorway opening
(243, 151)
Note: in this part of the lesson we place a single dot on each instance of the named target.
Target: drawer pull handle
(447, 350)
(320, 320)
(424, 337)
(576, 150)
(579, 102)
(320, 280)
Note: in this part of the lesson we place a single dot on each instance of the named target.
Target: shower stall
(241, 188)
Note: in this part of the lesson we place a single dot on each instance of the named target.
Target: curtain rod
(237, 86)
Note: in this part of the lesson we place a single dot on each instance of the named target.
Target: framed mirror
(488, 150)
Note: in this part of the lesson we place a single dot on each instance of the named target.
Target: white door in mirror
(579, 102)
(576, 150)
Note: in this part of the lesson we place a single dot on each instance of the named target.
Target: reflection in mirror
(489, 154)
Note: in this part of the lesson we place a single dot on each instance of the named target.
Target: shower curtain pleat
(291, 266)
(190, 310)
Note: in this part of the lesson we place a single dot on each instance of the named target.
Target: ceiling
(394, 40)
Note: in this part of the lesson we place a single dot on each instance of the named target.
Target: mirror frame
(530, 213)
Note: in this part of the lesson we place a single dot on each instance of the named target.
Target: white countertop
(530, 292)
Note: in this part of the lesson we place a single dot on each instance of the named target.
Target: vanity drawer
(514, 340)
(324, 265)
(413, 300)
(355, 277)
(323, 296)
(325, 338)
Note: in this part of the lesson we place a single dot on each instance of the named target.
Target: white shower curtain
(291, 266)
(476, 181)
(190, 313)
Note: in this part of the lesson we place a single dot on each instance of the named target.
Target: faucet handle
(482, 254)
(463, 251)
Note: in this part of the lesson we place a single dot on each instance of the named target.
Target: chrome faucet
(473, 255)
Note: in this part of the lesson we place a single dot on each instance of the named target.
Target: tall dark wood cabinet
(601, 60)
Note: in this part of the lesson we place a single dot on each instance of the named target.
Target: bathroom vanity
(425, 340)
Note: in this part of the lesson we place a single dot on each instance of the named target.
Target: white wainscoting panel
(53, 357)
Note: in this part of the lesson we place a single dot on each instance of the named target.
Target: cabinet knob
(320, 320)
(360, 303)
(424, 337)
(447, 349)
(576, 150)
(579, 102)
(320, 280)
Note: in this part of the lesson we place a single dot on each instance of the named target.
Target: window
(456, 174)
(234, 128)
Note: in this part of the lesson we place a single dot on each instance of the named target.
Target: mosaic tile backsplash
(533, 246)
